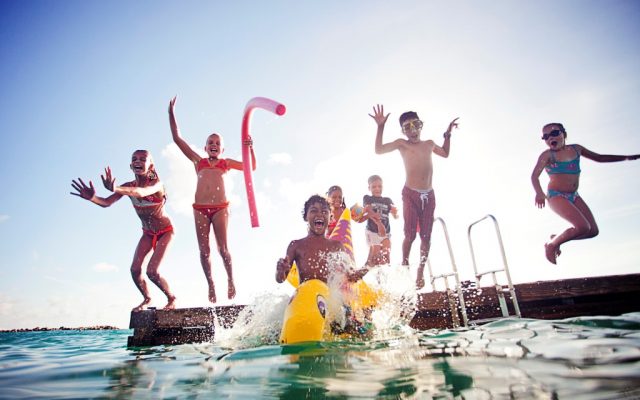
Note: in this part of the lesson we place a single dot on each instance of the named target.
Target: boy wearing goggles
(418, 198)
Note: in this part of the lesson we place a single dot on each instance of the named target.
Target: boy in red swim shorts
(418, 198)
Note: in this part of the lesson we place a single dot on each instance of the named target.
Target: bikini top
(571, 167)
(204, 163)
(152, 200)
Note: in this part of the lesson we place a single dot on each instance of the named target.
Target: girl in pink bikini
(211, 205)
(562, 163)
(148, 197)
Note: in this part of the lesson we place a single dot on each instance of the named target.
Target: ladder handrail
(473, 256)
(504, 261)
(455, 272)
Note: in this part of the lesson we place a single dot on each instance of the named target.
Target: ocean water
(577, 358)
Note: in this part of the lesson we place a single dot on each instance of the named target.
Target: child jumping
(210, 208)
(378, 230)
(148, 197)
(418, 198)
(562, 163)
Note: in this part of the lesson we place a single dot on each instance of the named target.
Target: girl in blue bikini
(562, 163)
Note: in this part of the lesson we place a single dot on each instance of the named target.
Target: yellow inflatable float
(305, 318)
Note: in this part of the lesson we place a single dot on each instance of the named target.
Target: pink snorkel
(265, 104)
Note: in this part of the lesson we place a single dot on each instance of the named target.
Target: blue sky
(87, 83)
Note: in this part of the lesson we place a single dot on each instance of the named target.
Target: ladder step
(490, 272)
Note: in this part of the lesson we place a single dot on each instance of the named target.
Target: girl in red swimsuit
(210, 209)
(147, 195)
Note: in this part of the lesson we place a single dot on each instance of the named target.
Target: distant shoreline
(63, 328)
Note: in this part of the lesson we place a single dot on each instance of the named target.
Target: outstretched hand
(453, 124)
(84, 191)
(172, 104)
(378, 115)
(108, 180)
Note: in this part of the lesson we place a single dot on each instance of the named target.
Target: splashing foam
(260, 322)
(397, 305)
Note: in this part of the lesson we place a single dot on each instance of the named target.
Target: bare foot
(171, 305)
(231, 289)
(212, 294)
(551, 252)
(420, 282)
(143, 305)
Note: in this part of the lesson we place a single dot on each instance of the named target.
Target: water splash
(260, 322)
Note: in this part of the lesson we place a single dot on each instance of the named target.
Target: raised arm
(605, 157)
(89, 193)
(175, 133)
(381, 120)
(444, 150)
(543, 160)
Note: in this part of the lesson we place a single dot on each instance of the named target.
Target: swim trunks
(418, 207)
(374, 238)
(156, 235)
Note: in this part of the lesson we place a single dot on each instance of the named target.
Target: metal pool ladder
(445, 277)
(500, 289)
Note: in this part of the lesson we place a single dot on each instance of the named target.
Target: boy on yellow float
(317, 258)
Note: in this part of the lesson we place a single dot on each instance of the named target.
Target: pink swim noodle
(265, 104)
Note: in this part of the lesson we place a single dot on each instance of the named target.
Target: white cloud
(3, 218)
(105, 267)
(280, 159)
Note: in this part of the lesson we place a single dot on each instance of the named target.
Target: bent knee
(136, 270)
(586, 231)
(153, 275)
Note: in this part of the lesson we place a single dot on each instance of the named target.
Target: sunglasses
(412, 125)
(553, 133)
